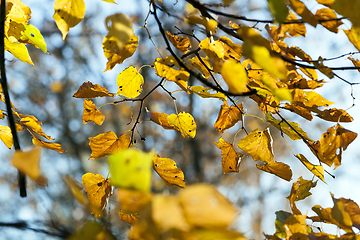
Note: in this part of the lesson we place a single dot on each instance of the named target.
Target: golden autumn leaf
(19, 51)
(110, 1)
(231, 50)
(17, 11)
(352, 208)
(295, 227)
(182, 44)
(215, 51)
(33, 36)
(199, 208)
(91, 113)
(319, 64)
(6, 136)
(335, 115)
(206, 92)
(160, 119)
(299, 191)
(68, 14)
(355, 62)
(317, 170)
(341, 216)
(130, 83)
(354, 36)
(49, 145)
(120, 27)
(301, 10)
(294, 30)
(325, 14)
(230, 158)
(132, 201)
(228, 116)
(116, 55)
(333, 142)
(200, 66)
(235, 76)
(348, 9)
(29, 163)
(163, 68)
(130, 218)
(168, 171)
(184, 122)
(279, 169)
(258, 144)
(89, 90)
(33, 124)
(107, 143)
(2, 114)
(98, 189)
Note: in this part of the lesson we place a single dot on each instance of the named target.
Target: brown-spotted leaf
(91, 113)
(317, 170)
(279, 169)
(335, 115)
(107, 143)
(98, 189)
(333, 142)
(182, 44)
(49, 145)
(258, 144)
(228, 117)
(184, 122)
(168, 171)
(160, 119)
(230, 158)
(89, 90)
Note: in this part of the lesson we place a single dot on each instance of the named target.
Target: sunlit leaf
(294, 30)
(130, 218)
(131, 169)
(109, 1)
(29, 163)
(200, 66)
(92, 231)
(160, 119)
(132, 201)
(182, 44)
(281, 217)
(98, 189)
(301, 9)
(107, 143)
(89, 90)
(317, 170)
(6, 136)
(130, 82)
(206, 92)
(91, 113)
(348, 8)
(231, 50)
(279, 169)
(228, 116)
(295, 227)
(49, 145)
(230, 158)
(341, 216)
(34, 125)
(184, 122)
(19, 51)
(279, 10)
(322, 68)
(115, 54)
(352, 208)
(33, 36)
(199, 208)
(354, 36)
(168, 171)
(258, 144)
(120, 27)
(68, 14)
(235, 76)
(17, 11)
(215, 51)
(335, 115)
(325, 14)
(355, 62)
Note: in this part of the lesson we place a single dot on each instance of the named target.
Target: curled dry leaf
(230, 158)
(206, 92)
(89, 90)
(33, 124)
(182, 44)
(107, 143)
(167, 170)
(49, 145)
(130, 218)
(228, 117)
(335, 115)
(317, 170)
(91, 113)
(98, 189)
(160, 119)
(279, 169)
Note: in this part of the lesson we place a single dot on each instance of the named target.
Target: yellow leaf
(98, 189)
(130, 218)
(33, 124)
(19, 51)
(285, 128)
(325, 14)
(300, 9)
(200, 66)
(167, 170)
(235, 76)
(335, 115)
(68, 14)
(89, 90)
(205, 207)
(115, 54)
(49, 145)
(295, 227)
(182, 44)
(231, 50)
(348, 8)
(230, 158)
(317, 170)
(326, 2)
(215, 51)
(355, 62)
(107, 143)
(120, 27)
(258, 144)
(163, 68)
(17, 11)
(342, 217)
(322, 68)
(132, 201)
(333, 143)
(160, 119)
(206, 92)
(352, 208)
(184, 122)
(91, 113)
(29, 163)
(2, 114)
(294, 30)
(131, 169)
(33, 36)
(110, 1)
(130, 83)
(6, 136)
(354, 36)
(228, 117)
(279, 169)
